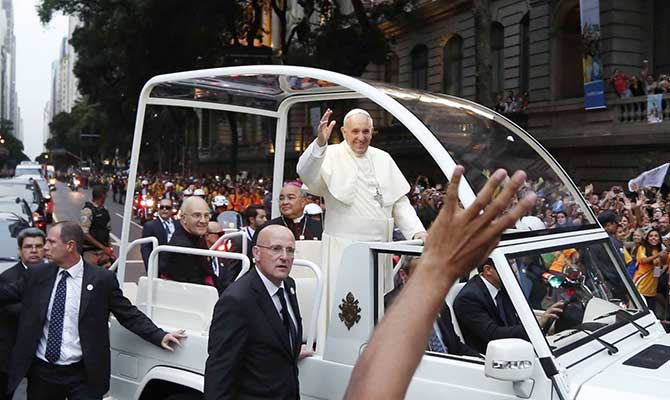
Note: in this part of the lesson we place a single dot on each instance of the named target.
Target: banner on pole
(594, 87)
(654, 108)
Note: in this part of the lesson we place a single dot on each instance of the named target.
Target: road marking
(131, 221)
(117, 241)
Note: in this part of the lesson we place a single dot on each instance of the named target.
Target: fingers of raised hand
(502, 202)
(485, 195)
(451, 203)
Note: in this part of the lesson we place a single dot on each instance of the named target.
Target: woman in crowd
(652, 260)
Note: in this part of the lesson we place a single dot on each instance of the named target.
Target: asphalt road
(68, 205)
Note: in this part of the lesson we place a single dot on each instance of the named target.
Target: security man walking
(96, 224)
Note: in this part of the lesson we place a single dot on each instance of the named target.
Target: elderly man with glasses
(162, 228)
(188, 267)
(255, 340)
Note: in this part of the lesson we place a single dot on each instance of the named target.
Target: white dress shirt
(272, 291)
(70, 350)
(493, 291)
(170, 227)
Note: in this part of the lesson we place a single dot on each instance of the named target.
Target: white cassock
(365, 196)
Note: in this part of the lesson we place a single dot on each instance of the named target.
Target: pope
(364, 190)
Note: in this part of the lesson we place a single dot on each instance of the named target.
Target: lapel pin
(292, 291)
(89, 287)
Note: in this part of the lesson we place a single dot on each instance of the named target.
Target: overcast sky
(37, 46)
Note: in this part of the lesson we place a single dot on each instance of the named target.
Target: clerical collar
(297, 220)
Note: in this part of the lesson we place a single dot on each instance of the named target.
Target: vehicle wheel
(184, 396)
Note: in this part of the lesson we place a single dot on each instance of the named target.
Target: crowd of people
(642, 84)
(512, 103)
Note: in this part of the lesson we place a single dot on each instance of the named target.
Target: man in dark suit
(188, 267)
(161, 228)
(485, 312)
(292, 201)
(256, 333)
(31, 251)
(443, 338)
(63, 335)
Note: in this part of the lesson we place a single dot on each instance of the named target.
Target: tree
(11, 148)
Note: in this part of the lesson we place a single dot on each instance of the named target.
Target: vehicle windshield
(597, 297)
(10, 226)
(481, 144)
(20, 171)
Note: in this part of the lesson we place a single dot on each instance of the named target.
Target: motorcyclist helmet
(219, 201)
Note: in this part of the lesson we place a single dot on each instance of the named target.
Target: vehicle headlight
(52, 181)
(76, 181)
(47, 197)
(142, 203)
(150, 203)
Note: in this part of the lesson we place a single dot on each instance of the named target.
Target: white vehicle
(609, 344)
(30, 169)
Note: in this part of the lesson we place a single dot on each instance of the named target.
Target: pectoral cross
(378, 198)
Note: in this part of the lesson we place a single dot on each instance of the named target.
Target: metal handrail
(131, 245)
(152, 269)
(230, 235)
(414, 242)
(311, 333)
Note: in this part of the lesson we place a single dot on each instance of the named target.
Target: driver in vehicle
(443, 337)
(485, 312)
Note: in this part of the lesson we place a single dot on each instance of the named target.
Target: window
(497, 45)
(568, 76)
(452, 61)
(391, 69)
(524, 53)
(420, 67)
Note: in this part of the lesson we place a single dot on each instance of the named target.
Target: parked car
(31, 194)
(11, 224)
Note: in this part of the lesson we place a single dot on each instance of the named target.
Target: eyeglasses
(165, 207)
(278, 250)
(200, 216)
(32, 247)
(219, 234)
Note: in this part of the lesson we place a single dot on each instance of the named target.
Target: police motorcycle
(74, 183)
(144, 205)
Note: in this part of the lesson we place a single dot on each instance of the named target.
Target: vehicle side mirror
(29, 186)
(511, 360)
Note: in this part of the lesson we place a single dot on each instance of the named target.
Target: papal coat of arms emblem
(350, 314)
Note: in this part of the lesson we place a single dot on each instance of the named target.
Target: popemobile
(607, 344)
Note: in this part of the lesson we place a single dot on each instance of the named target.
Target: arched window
(497, 66)
(567, 72)
(419, 56)
(524, 53)
(452, 64)
(391, 68)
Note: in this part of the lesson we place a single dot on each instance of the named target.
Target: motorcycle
(74, 184)
(144, 208)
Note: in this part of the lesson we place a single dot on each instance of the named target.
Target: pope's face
(357, 131)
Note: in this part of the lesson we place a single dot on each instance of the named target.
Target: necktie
(167, 230)
(435, 344)
(55, 338)
(288, 323)
(215, 266)
(500, 300)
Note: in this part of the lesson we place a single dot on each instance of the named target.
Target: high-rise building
(64, 92)
(9, 108)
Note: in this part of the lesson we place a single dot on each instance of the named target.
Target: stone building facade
(536, 47)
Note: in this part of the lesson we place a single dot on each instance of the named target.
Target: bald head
(274, 252)
(196, 215)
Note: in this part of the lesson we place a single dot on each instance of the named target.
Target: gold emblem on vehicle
(350, 314)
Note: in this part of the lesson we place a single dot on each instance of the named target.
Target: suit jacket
(9, 319)
(449, 337)
(104, 296)
(186, 267)
(155, 228)
(249, 352)
(479, 319)
(313, 228)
